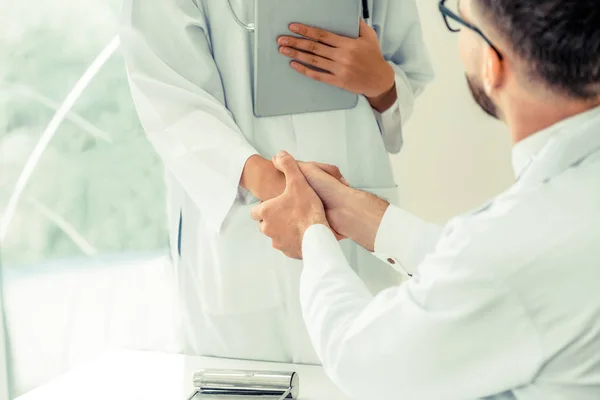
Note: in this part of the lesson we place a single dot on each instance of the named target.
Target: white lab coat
(190, 69)
(504, 303)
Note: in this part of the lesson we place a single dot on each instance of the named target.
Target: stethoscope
(366, 12)
(250, 27)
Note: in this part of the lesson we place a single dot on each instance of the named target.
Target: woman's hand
(356, 65)
(265, 181)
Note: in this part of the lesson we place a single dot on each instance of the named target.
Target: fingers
(319, 35)
(333, 171)
(257, 212)
(310, 59)
(324, 77)
(308, 46)
(309, 169)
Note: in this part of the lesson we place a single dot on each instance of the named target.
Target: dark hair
(558, 39)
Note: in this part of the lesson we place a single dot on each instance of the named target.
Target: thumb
(285, 163)
(366, 31)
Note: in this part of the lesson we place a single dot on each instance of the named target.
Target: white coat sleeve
(403, 46)
(179, 96)
(405, 240)
(442, 336)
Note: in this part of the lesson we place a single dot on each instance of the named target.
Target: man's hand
(351, 213)
(356, 65)
(286, 218)
(266, 182)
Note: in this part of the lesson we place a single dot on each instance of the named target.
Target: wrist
(251, 173)
(261, 178)
(383, 102)
(316, 220)
(386, 96)
(361, 217)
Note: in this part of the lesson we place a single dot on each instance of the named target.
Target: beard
(482, 99)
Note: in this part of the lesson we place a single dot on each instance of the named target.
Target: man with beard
(504, 301)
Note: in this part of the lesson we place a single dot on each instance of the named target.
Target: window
(96, 191)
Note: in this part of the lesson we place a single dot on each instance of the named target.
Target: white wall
(455, 157)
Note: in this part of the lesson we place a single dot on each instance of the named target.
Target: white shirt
(505, 302)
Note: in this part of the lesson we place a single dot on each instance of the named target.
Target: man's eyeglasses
(454, 22)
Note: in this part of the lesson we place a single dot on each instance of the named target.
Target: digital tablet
(278, 88)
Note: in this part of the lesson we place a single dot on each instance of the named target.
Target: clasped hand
(314, 194)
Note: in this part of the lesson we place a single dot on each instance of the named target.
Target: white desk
(132, 375)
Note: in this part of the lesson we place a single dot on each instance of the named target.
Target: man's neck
(529, 116)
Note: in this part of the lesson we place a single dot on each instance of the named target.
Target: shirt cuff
(404, 240)
(406, 93)
(318, 242)
(391, 121)
(390, 125)
(323, 257)
(212, 186)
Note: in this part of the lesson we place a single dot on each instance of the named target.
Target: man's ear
(493, 71)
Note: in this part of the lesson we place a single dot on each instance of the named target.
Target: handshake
(317, 194)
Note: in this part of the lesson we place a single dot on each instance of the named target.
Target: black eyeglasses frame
(448, 13)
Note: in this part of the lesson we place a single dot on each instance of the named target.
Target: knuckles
(320, 35)
(313, 47)
(336, 171)
(303, 30)
(266, 214)
(313, 74)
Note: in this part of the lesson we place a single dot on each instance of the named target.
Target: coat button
(391, 261)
